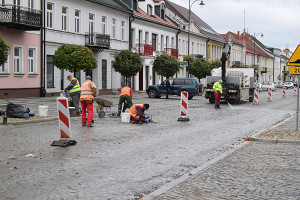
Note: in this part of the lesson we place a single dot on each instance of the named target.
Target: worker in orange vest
(126, 98)
(87, 97)
(137, 112)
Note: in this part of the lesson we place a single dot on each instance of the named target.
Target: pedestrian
(218, 92)
(74, 92)
(87, 97)
(137, 112)
(167, 87)
(126, 98)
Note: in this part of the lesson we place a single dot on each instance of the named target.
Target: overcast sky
(278, 20)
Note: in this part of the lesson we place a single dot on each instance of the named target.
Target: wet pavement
(115, 160)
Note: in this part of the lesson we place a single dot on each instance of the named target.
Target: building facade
(20, 25)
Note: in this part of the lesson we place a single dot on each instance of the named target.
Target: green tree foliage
(189, 58)
(165, 65)
(216, 64)
(74, 58)
(201, 68)
(127, 63)
(4, 51)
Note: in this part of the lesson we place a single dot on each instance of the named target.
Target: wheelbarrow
(103, 106)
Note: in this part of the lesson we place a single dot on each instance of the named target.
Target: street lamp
(190, 5)
(262, 35)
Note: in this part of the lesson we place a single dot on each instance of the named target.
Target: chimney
(251, 38)
(238, 34)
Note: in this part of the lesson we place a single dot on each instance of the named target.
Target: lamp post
(189, 28)
(262, 35)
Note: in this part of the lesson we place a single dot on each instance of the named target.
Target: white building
(152, 32)
(102, 25)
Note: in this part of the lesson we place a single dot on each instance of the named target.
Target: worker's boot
(216, 105)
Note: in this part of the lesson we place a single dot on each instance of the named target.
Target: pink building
(21, 75)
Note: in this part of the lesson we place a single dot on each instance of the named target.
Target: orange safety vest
(125, 91)
(133, 111)
(86, 91)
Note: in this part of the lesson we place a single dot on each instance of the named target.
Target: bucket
(43, 111)
(125, 117)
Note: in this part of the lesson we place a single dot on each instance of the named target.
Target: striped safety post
(269, 94)
(255, 100)
(184, 107)
(295, 91)
(283, 92)
(64, 123)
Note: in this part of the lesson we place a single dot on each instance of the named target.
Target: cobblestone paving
(256, 171)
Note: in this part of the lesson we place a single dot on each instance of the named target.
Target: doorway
(141, 79)
(153, 77)
(147, 76)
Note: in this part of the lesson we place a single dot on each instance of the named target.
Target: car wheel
(190, 97)
(152, 93)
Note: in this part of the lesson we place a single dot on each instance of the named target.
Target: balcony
(97, 41)
(172, 52)
(263, 70)
(144, 49)
(19, 17)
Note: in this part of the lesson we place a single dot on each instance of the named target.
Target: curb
(275, 141)
(30, 121)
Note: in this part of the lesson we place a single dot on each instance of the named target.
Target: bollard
(255, 100)
(64, 123)
(295, 91)
(269, 94)
(184, 107)
(283, 92)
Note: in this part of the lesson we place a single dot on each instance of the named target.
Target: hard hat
(220, 81)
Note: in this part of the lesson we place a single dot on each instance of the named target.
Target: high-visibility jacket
(133, 111)
(126, 91)
(218, 87)
(76, 87)
(86, 91)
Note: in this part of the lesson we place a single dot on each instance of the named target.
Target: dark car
(177, 85)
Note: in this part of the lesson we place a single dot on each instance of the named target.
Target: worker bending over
(218, 92)
(74, 92)
(126, 98)
(137, 112)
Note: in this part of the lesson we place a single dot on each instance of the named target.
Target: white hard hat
(220, 81)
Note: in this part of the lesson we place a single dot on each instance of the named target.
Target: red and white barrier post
(184, 107)
(295, 90)
(64, 123)
(269, 94)
(283, 92)
(255, 100)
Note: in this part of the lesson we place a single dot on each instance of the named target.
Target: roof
(205, 29)
(154, 18)
(115, 4)
(239, 39)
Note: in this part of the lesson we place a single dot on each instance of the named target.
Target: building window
(135, 7)
(162, 13)
(187, 47)
(149, 9)
(183, 47)
(3, 3)
(123, 30)
(50, 72)
(162, 43)
(18, 60)
(179, 46)
(113, 28)
(193, 45)
(198, 48)
(64, 13)
(4, 69)
(50, 9)
(91, 22)
(32, 69)
(104, 74)
(103, 24)
(77, 21)
(17, 2)
(31, 4)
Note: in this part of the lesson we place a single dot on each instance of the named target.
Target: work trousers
(87, 105)
(136, 118)
(127, 101)
(217, 97)
(75, 101)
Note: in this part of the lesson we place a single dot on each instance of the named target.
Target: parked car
(288, 84)
(177, 85)
(279, 84)
(267, 85)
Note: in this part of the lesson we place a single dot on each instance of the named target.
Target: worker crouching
(137, 112)
(218, 92)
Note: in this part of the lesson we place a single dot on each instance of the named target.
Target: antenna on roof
(244, 21)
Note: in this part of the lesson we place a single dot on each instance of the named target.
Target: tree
(127, 63)
(4, 51)
(165, 65)
(190, 59)
(201, 68)
(74, 58)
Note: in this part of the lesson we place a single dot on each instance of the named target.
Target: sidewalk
(255, 171)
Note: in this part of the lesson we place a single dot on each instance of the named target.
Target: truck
(238, 83)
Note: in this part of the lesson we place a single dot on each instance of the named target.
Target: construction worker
(126, 98)
(218, 92)
(87, 97)
(137, 112)
(74, 92)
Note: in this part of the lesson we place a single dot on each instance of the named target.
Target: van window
(178, 82)
(188, 82)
